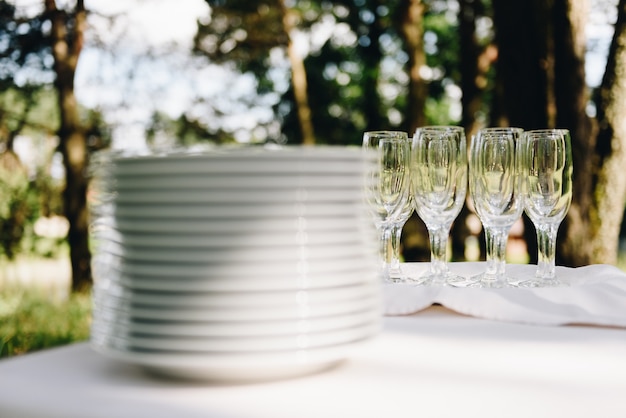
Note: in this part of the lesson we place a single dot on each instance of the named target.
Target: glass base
(398, 276)
(489, 281)
(440, 279)
(403, 280)
(541, 282)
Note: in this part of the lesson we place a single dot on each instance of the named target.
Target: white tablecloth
(432, 364)
(592, 295)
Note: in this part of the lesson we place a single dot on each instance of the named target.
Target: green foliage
(241, 32)
(98, 131)
(438, 112)
(30, 322)
(339, 117)
(23, 43)
(35, 106)
(241, 35)
(442, 46)
(22, 202)
(356, 81)
(165, 131)
(25, 195)
(14, 208)
(28, 191)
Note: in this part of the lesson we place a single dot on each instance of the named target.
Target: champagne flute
(386, 189)
(496, 193)
(439, 185)
(547, 179)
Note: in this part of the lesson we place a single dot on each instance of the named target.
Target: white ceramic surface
(255, 180)
(168, 328)
(118, 336)
(229, 211)
(186, 280)
(250, 263)
(339, 253)
(243, 160)
(239, 299)
(294, 223)
(271, 194)
(249, 240)
(131, 309)
(236, 367)
(300, 267)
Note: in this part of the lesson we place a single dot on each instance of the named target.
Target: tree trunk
(66, 47)
(572, 96)
(524, 64)
(298, 79)
(411, 29)
(475, 64)
(525, 74)
(372, 57)
(609, 183)
(409, 22)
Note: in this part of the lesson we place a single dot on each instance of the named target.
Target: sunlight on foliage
(29, 321)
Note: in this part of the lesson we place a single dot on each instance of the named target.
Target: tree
(542, 75)
(411, 25)
(298, 76)
(24, 197)
(523, 97)
(609, 187)
(571, 97)
(244, 33)
(342, 76)
(30, 42)
(20, 45)
(66, 42)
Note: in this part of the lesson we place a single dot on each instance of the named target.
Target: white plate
(346, 223)
(250, 240)
(289, 181)
(248, 195)
(235, 367)
(275, 162)
(224, 314)
(277, 254)
(230, 211)
(117, 336)
(301, 273)
(235, 283)
(238, 299)
(117, 320)
(282, 160)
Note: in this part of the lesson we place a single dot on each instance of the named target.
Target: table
(435, 363)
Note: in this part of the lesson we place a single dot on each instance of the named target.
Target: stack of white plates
(236, 264)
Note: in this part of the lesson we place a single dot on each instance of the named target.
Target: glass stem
(438, 247)
(496, 240)
(546, 243)
(385, 253)
(394, 266)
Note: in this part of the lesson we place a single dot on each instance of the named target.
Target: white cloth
(594, 295)
(435, 364)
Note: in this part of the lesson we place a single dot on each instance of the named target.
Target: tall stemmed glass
(386, 189)
(395, 270)
(547, 178)
(496, 193)
(439, 185)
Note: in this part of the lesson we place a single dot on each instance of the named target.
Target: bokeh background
(80, 76)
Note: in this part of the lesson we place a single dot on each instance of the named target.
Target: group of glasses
(509, 171)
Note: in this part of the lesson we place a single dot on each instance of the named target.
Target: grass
(31, 321)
